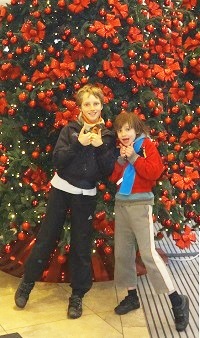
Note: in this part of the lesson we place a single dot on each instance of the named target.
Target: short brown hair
(133, 121)
(90, 89)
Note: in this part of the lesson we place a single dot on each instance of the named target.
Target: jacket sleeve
(106, 155)
(66, 148)
(151, 166)
(117, 172)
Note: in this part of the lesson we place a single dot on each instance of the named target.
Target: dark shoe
(129, 303)
(75, 307)
(181, 314)
(22, 293)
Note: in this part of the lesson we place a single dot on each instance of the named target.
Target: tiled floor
(45, 313)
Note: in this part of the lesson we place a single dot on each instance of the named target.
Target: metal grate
(184, 267)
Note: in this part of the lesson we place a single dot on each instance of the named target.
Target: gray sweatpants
(134, 222)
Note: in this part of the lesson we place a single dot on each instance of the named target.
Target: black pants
(82, 210)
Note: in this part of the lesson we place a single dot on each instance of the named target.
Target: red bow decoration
(81, 50)
(167, 73)
(48, 104)
(8, 71)
(154, 9)
(3, 12)
(30, 33)
(111, 68)
(37, 179)
(108, 29)
(63, 69)
(189, 4)
(78, 5)
(39, 77)
(185, 182)
(167, 203)
(3, 103)
(141, 75)
(192, 43)
(135, 35)
(118, 8)
(159, 93)
(2, 169)
(71, 113)
(187, 137)
(108, 94)
(176, 39)
(182, 94)
(184, 240)
(161, 47)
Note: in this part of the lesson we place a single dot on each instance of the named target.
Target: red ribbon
(185, 182)
(118, 8)
(3, 104)
(37, 179)
(166, 73)
(184, 240)
(63, 69)
(111, 68)
(135, 35)
(8, 71)
(182, 94)
(107, 30)
(78, 5)
(154, 9)
(29, 32)
(187, 137)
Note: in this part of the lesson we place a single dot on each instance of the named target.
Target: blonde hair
(133, 121)
(90, 89)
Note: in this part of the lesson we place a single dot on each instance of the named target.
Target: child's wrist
(133, 158)
(121, 160)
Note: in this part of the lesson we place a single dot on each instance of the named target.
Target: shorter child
(136, 171)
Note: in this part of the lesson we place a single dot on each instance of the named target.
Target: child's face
(126, 135)
(91, 107)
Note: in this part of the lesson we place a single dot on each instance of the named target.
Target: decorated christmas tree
(145, 55)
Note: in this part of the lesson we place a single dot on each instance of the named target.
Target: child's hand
(96, 139)
(127, 152)
(130, 151)
(122, 150)
(84, 139)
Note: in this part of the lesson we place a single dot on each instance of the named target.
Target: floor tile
(135, 332)
(88, 326)
(112, 319)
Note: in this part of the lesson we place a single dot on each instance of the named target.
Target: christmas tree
(145, 55)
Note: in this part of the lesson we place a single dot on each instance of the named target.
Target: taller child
(136, 170)
(82, 156)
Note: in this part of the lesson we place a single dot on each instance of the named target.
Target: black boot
(129, 303)
(181, 314)
(22, 293)
(75, 307)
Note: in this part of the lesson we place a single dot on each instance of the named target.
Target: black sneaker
(181, 314)
(22, 293)
(129, 303)
(74, 307)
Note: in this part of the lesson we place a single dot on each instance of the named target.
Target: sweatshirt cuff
(133, 158)
(121, 160)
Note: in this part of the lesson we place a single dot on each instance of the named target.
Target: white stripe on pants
(134, 221)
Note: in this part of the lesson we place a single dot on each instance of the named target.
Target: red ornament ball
(62, 259)
(26, 226)
(21, 236)
(108, 250)
(107, 197)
